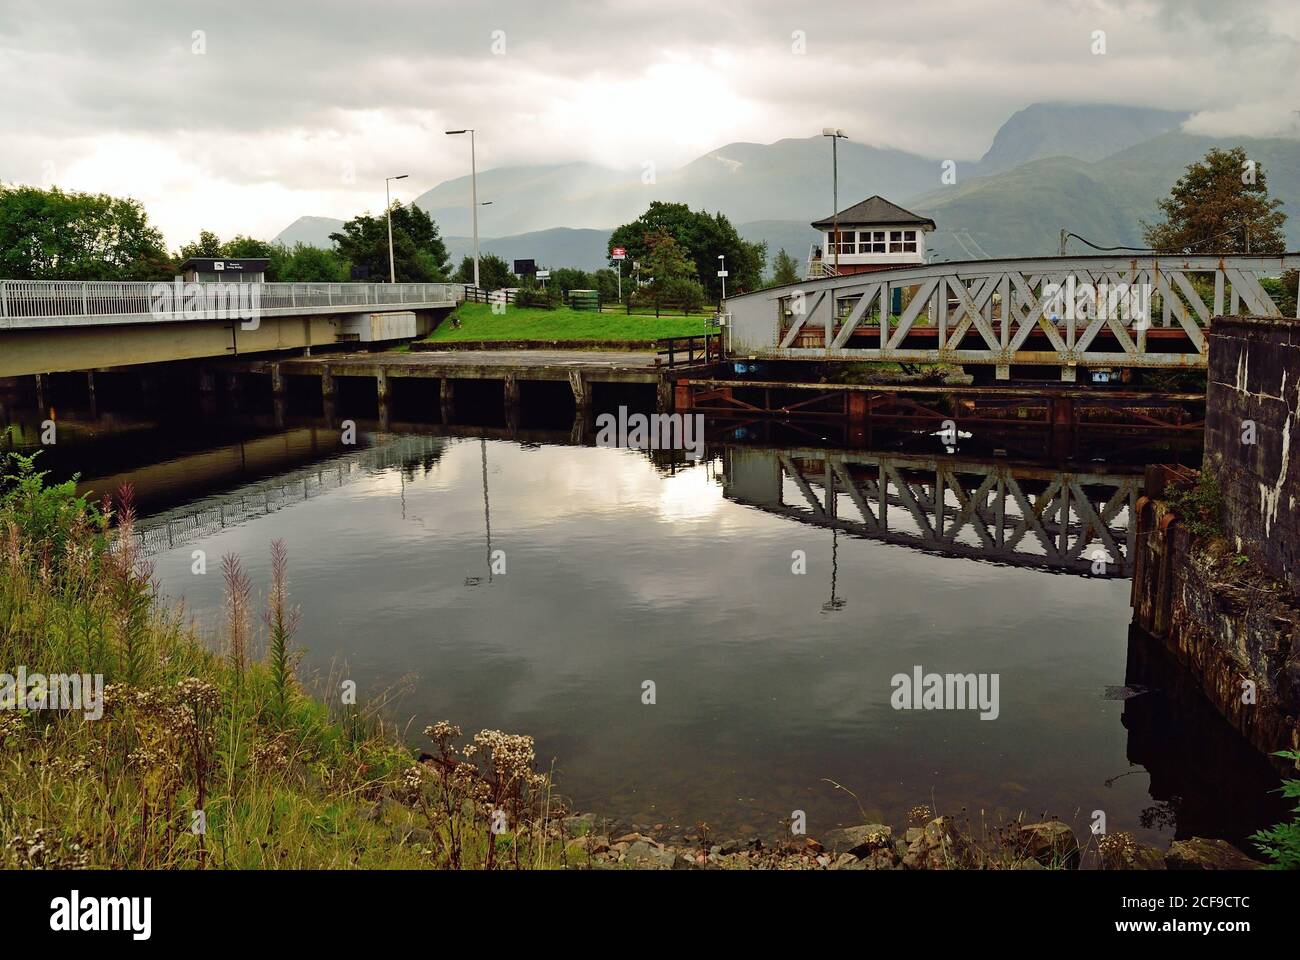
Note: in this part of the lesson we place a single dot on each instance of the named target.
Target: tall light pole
(722, 272)
(836, 134)
(388, 197)
(473, 192)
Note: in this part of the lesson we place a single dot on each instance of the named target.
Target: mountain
(1083, 131)
(1097, 170)
(312, 231)
(557, 247)
(525, 199)
(1021, 211)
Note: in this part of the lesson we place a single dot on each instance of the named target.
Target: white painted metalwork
(985, 311)
(43, 303)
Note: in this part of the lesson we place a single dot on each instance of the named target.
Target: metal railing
(49, 299)
(1055, 311)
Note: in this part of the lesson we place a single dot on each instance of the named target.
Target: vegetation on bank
(476, 321)
(208, 758)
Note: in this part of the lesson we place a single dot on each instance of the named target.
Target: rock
(591, 844)
(1119, 851)
(858, 840)
(842, 861)
(579, 825)
(1199, 853)
(940, 846)
(728, 847)
(634, 837)
(647, 856)
(681, 862)
(1027, 865)
(912, 835)
(1052, 843)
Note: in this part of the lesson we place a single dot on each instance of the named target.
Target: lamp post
(722, 272)
(388, 197)
(836, 134)
(473, 195)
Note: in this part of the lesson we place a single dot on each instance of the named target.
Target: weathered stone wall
(1226, 622)
(1254, 378)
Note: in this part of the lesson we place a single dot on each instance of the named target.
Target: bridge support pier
(581, 390)
(663, 396)
(278, 387)
(447, 398)
(90, 392)
(511, 392)
(326, 384)
(381, 386)
(40, 393)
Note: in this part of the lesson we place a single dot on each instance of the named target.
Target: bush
(1281, 843)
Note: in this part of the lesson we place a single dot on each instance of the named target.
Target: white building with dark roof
(872, 235)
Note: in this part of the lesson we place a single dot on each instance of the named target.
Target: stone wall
(1235, 629)
(1254, 378)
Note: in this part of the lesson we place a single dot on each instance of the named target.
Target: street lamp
(392, 270)
(473, 196)
(836, 134)
(722, 272)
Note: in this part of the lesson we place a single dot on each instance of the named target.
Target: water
(621, 568)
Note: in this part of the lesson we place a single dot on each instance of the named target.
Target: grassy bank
(210, 754)
(478, 322)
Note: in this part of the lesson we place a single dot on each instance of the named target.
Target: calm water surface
(620, 570)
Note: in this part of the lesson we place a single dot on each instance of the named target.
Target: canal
(518, 577)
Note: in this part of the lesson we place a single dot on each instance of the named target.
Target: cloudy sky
(239, 116)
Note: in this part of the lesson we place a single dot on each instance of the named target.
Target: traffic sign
(618, 253)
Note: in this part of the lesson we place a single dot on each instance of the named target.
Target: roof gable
(875, 210)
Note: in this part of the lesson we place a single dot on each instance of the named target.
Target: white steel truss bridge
(1069, 312)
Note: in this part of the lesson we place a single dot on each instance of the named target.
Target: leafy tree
(1221, 205)
(419, 253)
(493, 272)
(246, 247)
(607, 283)
(307, 264)
(784, 269)
(207, 245)
(703, 236)
(53, 235)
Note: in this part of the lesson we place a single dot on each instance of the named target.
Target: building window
(846, 242)
(909, 241)
(895, 241)
(878, 241)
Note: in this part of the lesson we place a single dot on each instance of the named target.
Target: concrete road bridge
(48, 326)
(1024, 515)
(1068, 312)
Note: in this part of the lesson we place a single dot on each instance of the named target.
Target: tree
(208, 245)
(419, 253)
(493, 272)
(1221, 205)
(53, 235)
(306, 264)
(784, 269)
(703, 236)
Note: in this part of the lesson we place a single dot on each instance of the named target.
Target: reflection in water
(624, 567)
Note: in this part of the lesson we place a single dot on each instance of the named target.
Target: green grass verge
(478, 322)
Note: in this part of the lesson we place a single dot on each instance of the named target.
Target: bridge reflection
(1020, 514)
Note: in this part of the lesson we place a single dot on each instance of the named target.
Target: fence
(627, 306)
(93, 298)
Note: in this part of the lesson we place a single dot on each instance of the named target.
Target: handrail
(698, 348)
(38, 299)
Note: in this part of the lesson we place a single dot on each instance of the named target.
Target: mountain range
(1096, 170)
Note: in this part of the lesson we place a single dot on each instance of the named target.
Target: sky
(240, 117)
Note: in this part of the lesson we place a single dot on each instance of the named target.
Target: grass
(213, 755)
(478, 322)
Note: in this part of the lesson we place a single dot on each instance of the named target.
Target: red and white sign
(618, 253)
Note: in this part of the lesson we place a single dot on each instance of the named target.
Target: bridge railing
(1135, 311)
(38, 299)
